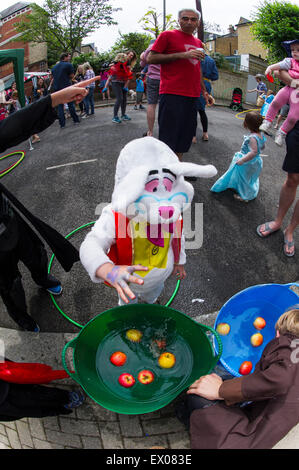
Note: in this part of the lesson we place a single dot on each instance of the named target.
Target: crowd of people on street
(220, 411)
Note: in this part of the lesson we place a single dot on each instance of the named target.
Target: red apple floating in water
(223, 329)
(118, 358)
(259, 323)
(245, 368)
(146, 377)
(256, 339)
(126, 380)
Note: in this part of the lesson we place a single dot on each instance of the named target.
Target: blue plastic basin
(266, 300)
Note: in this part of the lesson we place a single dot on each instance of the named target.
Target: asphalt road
(232, 257)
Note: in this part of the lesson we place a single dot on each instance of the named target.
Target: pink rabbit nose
(166, 211)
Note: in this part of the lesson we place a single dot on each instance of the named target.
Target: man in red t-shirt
(181, 82)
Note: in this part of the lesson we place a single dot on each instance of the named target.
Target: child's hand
(179, 271)
(207, 386)
(240, 162)
(118, 276)
(268, 70)
(104, 89)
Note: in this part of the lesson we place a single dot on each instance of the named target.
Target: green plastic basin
(189, 341)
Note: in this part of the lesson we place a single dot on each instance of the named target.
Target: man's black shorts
(291, 161)
(177, 120)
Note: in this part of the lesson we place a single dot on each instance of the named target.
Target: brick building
(35, 54)
(238, 42)
(246, 42)
(226, 45)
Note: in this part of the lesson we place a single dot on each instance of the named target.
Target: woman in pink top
(288, 94)
(152, 89)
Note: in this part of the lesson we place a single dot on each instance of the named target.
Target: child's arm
(285, 77)
(93, 256)
(272, 67)
(281, 71)
(208, 98)
(273, 381)
(178, 269)
(107, 83)
(250, 155)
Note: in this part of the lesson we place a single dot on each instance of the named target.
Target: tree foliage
(98, 62)
(151, 22)
(213, 28)
(275, 22)
(63, 24)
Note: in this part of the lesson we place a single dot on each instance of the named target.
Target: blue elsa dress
(243, 178)
(266, 105)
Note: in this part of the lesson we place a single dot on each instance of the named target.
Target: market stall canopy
(16, 56)
(28, 76)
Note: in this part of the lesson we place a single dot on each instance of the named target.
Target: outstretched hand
(76, 92)
(85, 83)
(119, 276)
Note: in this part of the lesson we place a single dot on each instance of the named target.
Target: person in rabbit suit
(138, 240)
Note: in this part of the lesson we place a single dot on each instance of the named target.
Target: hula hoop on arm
(54, 301)
(11, 167)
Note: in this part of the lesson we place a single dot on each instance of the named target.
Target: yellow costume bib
(145, 252)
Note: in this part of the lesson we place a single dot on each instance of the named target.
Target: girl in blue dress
(269, 97)
(246, 166)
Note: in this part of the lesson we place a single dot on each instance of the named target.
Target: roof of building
(90, 44)
(13, 9)
(243, 21)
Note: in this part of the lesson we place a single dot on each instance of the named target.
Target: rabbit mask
(150, 184)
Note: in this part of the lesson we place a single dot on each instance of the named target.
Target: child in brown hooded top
(270, 393)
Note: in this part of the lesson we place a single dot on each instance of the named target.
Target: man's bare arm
(284, 77)
(157, 58)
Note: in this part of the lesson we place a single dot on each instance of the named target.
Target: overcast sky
(223, 12)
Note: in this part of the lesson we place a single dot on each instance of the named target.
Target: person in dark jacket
(254, 411)
(18, 400)
(210, 74)
(63, 73)
(18, 241)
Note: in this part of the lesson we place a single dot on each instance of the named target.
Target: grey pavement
(231, 258)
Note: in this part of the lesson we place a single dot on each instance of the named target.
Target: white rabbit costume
(143, 223)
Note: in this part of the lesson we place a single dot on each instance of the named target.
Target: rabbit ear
(191, 169)
(129, 188)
